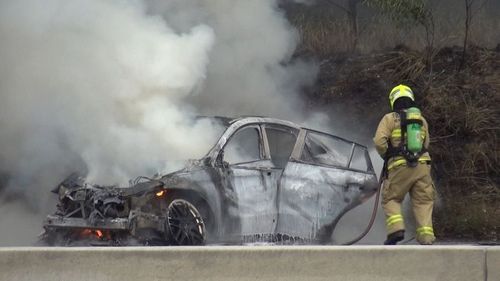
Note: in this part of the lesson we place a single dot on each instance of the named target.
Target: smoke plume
(112, 88)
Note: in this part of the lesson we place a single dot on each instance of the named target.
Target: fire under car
(264, 180)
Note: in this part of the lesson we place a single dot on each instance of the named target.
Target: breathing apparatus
(414, 135)
(412, 131)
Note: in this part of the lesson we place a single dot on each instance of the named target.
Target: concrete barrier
(493, 263)
(251, 263)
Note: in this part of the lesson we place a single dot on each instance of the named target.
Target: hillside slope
(463, 113)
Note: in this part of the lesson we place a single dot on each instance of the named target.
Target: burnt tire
(184, 224)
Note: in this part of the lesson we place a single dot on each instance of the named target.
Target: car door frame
(233, 193)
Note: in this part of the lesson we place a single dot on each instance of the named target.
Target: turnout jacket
(389, 131)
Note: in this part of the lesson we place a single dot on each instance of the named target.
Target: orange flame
(160, 193)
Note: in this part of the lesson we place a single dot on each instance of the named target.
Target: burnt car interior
(281, 141)
(323, 149)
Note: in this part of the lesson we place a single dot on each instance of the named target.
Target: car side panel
(311, 197)
(254, 187)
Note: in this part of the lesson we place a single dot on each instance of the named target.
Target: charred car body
(264, 180)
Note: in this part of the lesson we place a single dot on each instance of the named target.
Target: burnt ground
(462, 107)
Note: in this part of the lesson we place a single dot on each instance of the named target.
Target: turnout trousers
(418, 182)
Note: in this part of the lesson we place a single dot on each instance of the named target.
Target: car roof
(234, 123)
(262, 119)
(243, 120)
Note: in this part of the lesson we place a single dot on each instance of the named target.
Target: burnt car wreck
(264, 180)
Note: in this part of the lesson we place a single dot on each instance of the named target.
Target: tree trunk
(352, 6)
(468, 19)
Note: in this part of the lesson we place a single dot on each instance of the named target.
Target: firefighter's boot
(394, 238)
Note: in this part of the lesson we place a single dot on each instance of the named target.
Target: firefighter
(402, 139)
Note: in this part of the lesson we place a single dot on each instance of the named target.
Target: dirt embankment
(462, 107)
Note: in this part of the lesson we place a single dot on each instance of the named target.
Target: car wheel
(184, 223)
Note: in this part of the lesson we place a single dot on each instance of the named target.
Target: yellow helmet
(399, 92)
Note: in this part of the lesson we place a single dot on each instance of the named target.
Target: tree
(403, 12)
(407, 13)
(350, 7)
(469, 14)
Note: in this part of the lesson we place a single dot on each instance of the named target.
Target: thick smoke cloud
(250, 70)
(111, 87)
(99, 80)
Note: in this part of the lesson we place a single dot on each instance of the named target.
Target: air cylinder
(414, 129)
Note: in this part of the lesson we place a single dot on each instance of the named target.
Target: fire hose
(375, 206)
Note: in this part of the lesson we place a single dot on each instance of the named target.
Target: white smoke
(98, 79)
(111, 87)
(250, 70)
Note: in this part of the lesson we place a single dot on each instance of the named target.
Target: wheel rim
(185, 224)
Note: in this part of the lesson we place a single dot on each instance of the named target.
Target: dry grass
(461, 107)
(476, 222)
(404, 65)
(322, 37)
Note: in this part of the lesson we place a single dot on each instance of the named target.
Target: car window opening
(243, 147)
(281, 143)
(359, 160)
(326, 150)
